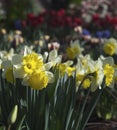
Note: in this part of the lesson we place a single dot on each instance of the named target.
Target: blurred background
(18, 9)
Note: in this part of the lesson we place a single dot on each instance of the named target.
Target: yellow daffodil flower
(74, 50)
(109, 74)
(110, 47)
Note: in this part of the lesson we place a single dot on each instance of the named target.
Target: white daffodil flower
(97, 70)
(54, 57)
(7, 73)
(65, 68)
(110, 46)
(75, 44)
(82, 70)
(27, 50)
(4, 55)
(86, 66)
(74, 49)
(32, 70)
(109, 70)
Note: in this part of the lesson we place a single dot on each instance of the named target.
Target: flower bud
(13, 115)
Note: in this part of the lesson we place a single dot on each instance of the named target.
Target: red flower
(68, 20)
(52, 13)
(53, 22)
(95, 17)
(30, 16)
(108, 19)
(61, 13)
(34, 23)
(40, 19)
(77, 21)
(114, 21)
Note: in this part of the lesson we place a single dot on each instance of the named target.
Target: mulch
(103, 125)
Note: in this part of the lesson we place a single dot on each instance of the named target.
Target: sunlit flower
(7, 68)
(65, 68)
(109, 74)
(7, 55)
(86, 83)
(30, 68)
(82, 69)
(90, 71)
(53, 57)
(70, 70)
(109, 70)
(36, 74)
(38, 80)
(74, 50)
(98, 75)
(110, 47)
(31, 63)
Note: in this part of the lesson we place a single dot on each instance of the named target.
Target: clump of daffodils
(34, 69)
(93, 73)
(30, 68)
(110, 47)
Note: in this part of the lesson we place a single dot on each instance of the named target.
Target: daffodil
(81, 72)
(51, 59)
(86, 83)
(30, 68)
(109, 70)
(74, 50)
(65, 68)
(38, 80)
(4, 55)
(110, 47)
(85, 62)
(26, 65)
(31, 63)
(96, 68)
(90, 72)
(54, 58)
(109, 74)
(7, 68)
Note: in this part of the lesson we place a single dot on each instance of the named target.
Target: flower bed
(60, 73)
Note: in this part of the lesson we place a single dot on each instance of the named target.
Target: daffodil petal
(19, 72)
(50, 76)
(17, 59)
(48, 65)
(53, 54)
(6, 64)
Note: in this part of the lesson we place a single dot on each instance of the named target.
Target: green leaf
(20, 124)
(2, 128)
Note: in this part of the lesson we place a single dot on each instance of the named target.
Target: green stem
(9, 127)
